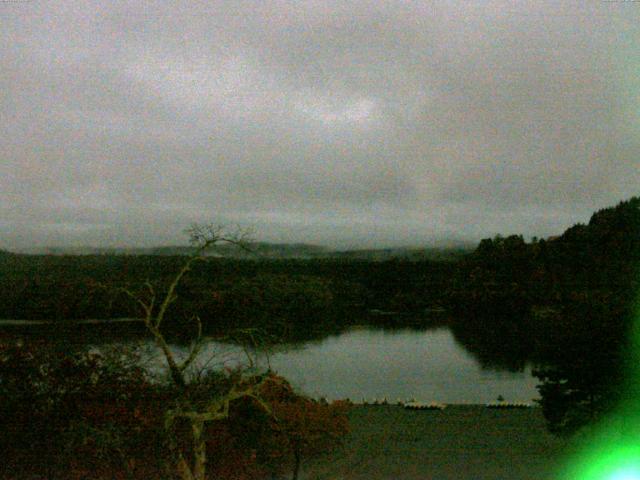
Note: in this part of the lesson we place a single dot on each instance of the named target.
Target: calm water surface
(397, 364)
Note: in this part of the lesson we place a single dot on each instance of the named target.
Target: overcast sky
(341, 123)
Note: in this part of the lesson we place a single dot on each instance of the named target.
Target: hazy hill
(260, 250)
(406, 253)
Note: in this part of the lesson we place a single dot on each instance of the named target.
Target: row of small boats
(417, 405)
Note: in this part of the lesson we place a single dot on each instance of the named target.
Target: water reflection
(502, 350)
(427, 365)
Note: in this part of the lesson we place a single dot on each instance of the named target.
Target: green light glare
(611, 449)
(626, 474)
(612, 462)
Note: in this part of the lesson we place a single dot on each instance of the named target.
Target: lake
(360, 362)
(369, 363)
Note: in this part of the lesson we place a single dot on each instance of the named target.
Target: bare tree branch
(203, 238)
(146, 307)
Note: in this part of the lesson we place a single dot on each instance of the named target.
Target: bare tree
(245, 383)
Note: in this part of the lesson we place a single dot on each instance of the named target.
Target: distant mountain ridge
(268, 250)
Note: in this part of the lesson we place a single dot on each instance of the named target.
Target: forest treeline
(548, 288)
(280, 295)
(565, 304)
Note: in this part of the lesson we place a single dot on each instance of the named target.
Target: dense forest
(566, 304)
(283, 296)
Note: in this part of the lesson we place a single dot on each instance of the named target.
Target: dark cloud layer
(369, 122)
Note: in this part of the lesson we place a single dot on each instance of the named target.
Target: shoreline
(89, 321)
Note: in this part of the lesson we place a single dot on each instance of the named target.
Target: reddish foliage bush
(64, 413)
(253, 443)
(86, 415)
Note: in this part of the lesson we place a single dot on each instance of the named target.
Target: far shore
(90, 321)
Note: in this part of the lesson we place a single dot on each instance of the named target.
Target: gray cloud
(365, 122)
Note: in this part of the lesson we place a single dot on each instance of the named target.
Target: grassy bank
(461, 442)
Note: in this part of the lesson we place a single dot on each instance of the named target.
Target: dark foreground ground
(463, 442)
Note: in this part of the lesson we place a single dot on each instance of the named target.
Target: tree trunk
(184, 471)
(296, 465)
(181, 466)
(199, 450)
